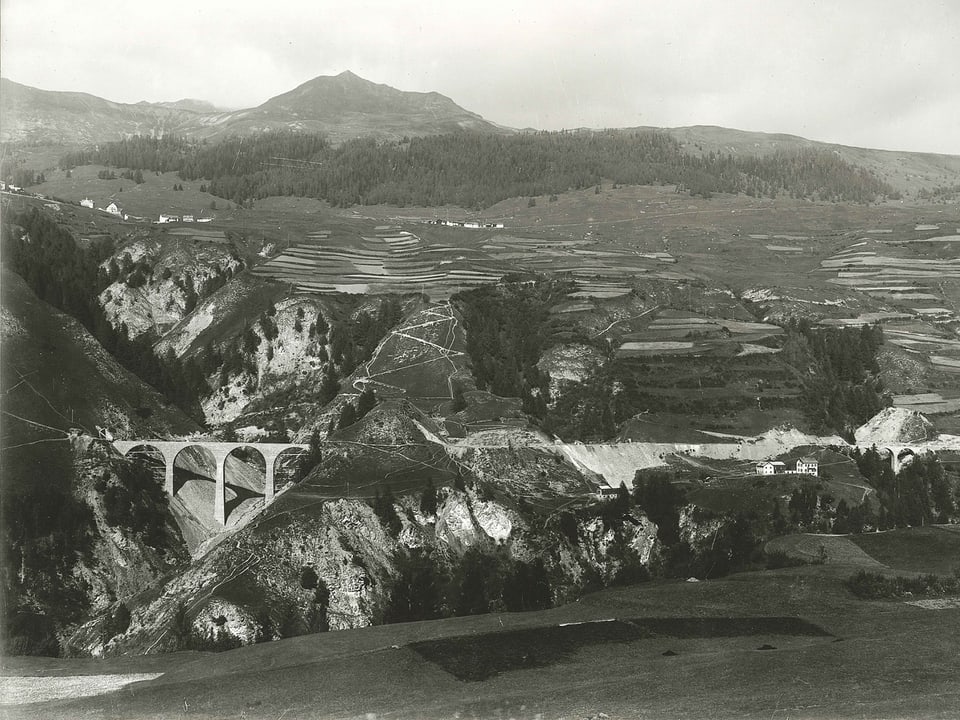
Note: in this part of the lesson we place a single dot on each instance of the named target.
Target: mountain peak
(346, 106)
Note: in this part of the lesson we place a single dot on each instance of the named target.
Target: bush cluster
(877, 586)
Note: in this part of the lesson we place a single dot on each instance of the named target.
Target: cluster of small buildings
(112, 208)
(471, 224)
(115, 209)
(804, 466)
(164, 218)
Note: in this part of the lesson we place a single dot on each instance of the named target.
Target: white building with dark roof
(808, 466)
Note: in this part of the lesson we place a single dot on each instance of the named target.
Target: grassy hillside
(934, 549)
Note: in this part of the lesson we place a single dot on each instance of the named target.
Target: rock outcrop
(895, 425)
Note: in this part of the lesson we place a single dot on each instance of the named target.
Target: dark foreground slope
(790, 643)
(81, 526)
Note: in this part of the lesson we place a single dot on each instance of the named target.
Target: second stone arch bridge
(169, 450)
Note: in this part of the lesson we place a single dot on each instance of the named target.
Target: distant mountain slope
(31, 115)
(906, 171)
(190, 104)
(343, 106)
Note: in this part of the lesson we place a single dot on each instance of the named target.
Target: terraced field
(391, 259)
(928, 403)
(918, 275)
(681, 333)
(199, 234)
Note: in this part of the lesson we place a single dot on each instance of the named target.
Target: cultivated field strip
(679, 333)
(390, 259)
(891, 271)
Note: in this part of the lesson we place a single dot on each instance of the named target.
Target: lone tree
(366, 402)
(383, 506)
(428, 500)
(348, 416)
(313, 456)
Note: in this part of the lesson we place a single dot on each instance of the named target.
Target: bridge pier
(894, 461)
(269, 478)
(168, 475)
(269, 483)
(220, 490)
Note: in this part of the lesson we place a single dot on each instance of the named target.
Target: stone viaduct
(170, 449)
(899, 453)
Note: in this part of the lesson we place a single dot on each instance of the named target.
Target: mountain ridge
(342, 106)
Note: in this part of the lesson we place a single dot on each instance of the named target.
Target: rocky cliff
(328, 562)
(156, 282)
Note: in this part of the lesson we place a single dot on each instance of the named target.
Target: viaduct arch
(170, 449)
(898, 454)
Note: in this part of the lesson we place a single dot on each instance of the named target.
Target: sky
(870, 73)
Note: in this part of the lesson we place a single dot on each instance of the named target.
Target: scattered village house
(87, 203)
(771, 468)
(808, 466)
(114, 209)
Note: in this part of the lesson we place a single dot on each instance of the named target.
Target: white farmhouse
(87, 203)
(771, 468)
(808, 466)
(114, 209)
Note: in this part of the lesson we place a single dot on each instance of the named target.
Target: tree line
(477, 170)
(920, 494)
(424, 587)
(508, 328)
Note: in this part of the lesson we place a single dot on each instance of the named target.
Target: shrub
(876, 586)
(116, 623)
(387, 513)
(779, 559)
(308, 578)
(428, 500)
(417, 591)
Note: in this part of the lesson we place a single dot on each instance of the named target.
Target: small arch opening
(151, 457)
(194, 471)
(290, 467)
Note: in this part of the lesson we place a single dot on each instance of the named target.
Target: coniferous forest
(476, 170)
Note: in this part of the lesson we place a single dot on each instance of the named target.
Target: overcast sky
(874, 73)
